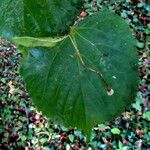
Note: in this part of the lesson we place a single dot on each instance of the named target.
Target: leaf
(103, 127)
(146, 115)
(137, 104)
(43, 140)
(140, 45)
(37, 18)
(71, 137)
(115, 131)
(87, 78)
(46, 148)
(120, 145)
(125, 148)
(68, 147)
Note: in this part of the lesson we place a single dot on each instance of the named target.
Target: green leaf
(120, 145)
(146, 115)
(37, 18)
(137, 104)
(87, 78)
(140, 44)
(71, 137)
(125, 148)
(103, 127)
(23, 137)
(68, 147)
(46, 148)
(115, 131)
(43, 140)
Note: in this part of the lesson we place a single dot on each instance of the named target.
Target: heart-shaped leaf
(37, 18)
(87, 78)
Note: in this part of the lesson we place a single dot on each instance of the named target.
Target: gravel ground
(22, 127)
